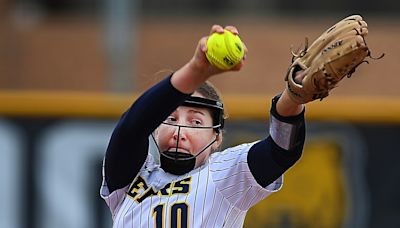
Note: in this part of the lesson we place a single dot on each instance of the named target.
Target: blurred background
(70, 68)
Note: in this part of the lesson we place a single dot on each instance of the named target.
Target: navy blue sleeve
(128, 146)
(267, 161)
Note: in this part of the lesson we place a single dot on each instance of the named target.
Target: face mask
(177, 163)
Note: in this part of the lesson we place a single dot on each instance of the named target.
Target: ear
(217, 143)
(156, 133)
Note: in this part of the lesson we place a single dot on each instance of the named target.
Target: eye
(171, 119)
(196, 122)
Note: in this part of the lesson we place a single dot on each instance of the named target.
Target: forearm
(287, 107)
(270, 158)
(267, 161)
(188, 78)
(153, 107)
(127, 149)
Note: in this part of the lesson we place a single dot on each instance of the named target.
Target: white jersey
(217, 194)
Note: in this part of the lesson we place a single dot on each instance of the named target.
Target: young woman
(195, 184)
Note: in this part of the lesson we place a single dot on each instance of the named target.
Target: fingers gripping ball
(225, 50)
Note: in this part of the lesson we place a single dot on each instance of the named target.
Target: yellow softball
(224, 50)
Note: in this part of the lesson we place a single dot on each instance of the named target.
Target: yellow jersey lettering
(182, 186)
(148, 193)
(139, 190)
(138, 186)
(165, 190)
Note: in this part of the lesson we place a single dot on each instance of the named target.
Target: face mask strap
(177, 140)
(177, 144)
(208, 145)
(215, 127)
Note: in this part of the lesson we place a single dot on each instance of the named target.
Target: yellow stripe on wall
(335, 108)
(81, 104)
(62, 104)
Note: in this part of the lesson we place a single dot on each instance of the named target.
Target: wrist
(188, 78)
(198, 69)
(286, 106)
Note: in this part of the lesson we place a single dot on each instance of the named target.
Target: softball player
(194, 185)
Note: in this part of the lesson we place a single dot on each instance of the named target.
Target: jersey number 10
(178, 215)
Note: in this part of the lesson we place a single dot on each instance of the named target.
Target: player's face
(186, 139)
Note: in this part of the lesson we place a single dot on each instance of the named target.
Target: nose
(179, 134)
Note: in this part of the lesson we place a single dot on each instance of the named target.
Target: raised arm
(128, 146)
(313, 73)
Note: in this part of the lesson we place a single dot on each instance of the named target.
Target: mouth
(182, 150)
